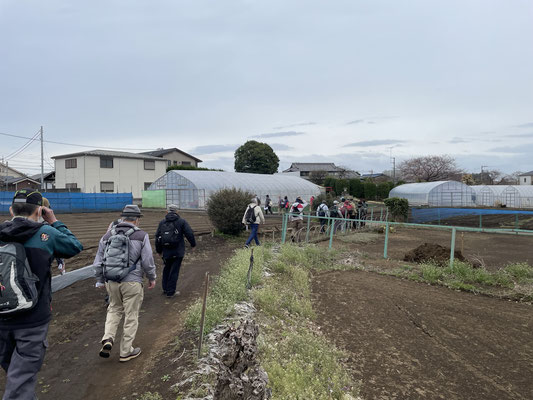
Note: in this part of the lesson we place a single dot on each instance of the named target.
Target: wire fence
(387, 239)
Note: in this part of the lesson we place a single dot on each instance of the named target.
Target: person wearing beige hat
(123, 259)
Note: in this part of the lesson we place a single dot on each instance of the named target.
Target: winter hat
(173, 208)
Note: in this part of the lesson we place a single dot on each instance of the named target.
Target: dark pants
(171, 273)
(21, 356)
(253, 234)
(323, 222)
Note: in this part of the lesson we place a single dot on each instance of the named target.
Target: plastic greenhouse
(192, 189)
(436, 194)
(512, 196)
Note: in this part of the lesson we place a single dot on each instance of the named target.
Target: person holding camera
(27, 249)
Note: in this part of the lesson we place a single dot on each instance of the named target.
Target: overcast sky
(342, 81)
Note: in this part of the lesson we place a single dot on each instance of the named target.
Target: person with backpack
(124, 256)
(169, 243)
(296, 215)
(253, 216)
(334, 212)
(322, 211)
(27, 250)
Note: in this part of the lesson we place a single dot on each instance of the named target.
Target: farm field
(407, 340)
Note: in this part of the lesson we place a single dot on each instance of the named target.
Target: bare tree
(317, 177)
(430, 169)
(511, 179)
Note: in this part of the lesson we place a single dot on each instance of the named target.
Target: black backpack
(249, 217)
(18, 291)
(169, 234)
(333, 213)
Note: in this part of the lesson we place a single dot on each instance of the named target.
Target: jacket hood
(172, 216)
(19, 230)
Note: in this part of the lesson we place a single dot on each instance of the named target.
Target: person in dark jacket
(23, 335)
(171, 245)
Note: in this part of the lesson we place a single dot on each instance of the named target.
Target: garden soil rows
(406, 340)
(90, 227)
(495, 250)
(74, 371)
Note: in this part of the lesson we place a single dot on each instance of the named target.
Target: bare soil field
(73, 369)
(503, 221)
(407, 340)
(495, 250)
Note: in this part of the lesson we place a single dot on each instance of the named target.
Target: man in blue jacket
(23, 335)
(170, 244)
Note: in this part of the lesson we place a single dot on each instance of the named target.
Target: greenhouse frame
(192, 189)
(511, 196)
(436, 194)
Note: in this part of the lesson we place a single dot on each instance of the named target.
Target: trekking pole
(249, 280)
(202, 320)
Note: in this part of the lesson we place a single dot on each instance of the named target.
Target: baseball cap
(28, 197)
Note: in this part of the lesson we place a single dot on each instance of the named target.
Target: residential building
(526, 178)
(49, 180)
(102, 171)
(6, 170)
(175, 157)
(330, 169)
(12, 183)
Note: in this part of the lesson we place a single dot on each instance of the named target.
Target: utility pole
(42, 160)
(481, 180)
(7, 174)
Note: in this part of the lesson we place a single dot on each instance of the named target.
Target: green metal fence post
(480, 221)
(331, 233)
(308, 225)
(372, 214)
(516, 221)
(386, 240)
(452, 248)
(284, 228)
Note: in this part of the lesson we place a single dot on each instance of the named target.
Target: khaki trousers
(125, 299)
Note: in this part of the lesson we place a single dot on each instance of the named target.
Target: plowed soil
(407, 340)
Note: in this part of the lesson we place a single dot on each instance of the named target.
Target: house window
(149, 164)
(524, 179)
(147, 185)
(175, 163)
(71, 163)
(169, 163)
(71, 185)
(106, 162)
(185, 163)
(107, 187)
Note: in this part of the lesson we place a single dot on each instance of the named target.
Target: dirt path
(73, 370)
(412, 341)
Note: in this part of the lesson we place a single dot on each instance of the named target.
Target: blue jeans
(253, 234)
(170, 274)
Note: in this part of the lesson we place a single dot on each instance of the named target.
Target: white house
(526, 178)
(175, 156)
(102, 171)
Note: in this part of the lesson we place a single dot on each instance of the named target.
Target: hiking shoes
(107, 345)
(169, 296)
(134, 354)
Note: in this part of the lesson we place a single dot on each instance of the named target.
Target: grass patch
(228, 288)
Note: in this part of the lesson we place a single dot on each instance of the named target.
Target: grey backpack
(116, 261)
(18, 291)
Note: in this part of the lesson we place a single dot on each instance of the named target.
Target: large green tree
(256, 158)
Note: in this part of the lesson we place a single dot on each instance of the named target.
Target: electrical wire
(21, 149)
(73, 144)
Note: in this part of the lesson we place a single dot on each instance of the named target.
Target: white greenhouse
(511, 196)
(436, 194)
(192, 189)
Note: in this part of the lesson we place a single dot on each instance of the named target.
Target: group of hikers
(33, 239)
(346, 208)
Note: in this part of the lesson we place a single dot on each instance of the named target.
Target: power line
(24, 147)
(72, 144)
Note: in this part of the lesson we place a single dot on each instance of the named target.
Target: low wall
(76, 202)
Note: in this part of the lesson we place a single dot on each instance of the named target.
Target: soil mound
(431, 252)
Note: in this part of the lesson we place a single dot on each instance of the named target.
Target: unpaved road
(73, 369)
(408, 340)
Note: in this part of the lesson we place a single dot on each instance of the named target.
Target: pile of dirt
(432, 252)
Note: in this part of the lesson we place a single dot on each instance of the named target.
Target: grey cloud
(356, 121)
(281, 147)
(459, 140)
(278, 134)
(213, 148)
(370, 143)
(520, 135)
(527, 125)
(295, 125)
